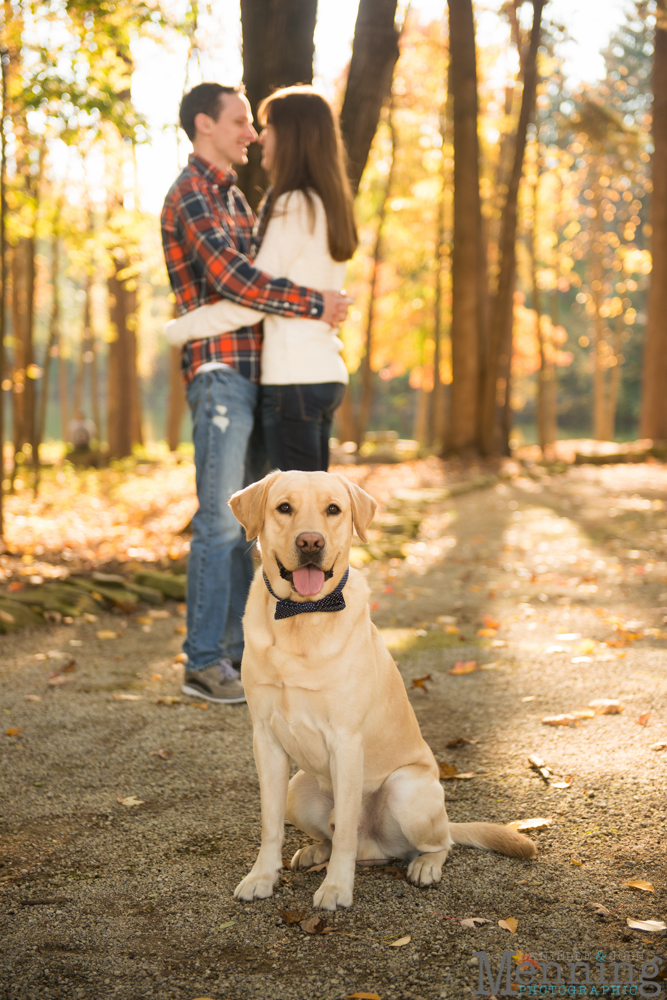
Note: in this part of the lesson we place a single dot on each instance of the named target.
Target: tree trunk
(654, 398)
(615, 378)
(467, 267)
(54, 326)
(436, 421)
(176, 406)
(278, 51)
(599, 352)
(23, 299)
(374, 55)
(123, 384)
(366, 391)
(500, 330)
(3, 289)
(345, 418)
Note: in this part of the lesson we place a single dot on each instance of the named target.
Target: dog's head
(304, 521)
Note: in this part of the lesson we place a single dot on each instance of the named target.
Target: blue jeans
(228, 456)
(297, 424)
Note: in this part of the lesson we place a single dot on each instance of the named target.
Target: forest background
(507, 218)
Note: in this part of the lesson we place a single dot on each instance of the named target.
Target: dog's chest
(303, 734)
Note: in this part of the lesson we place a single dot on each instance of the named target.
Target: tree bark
(436, 421)
(54, 327)
(500, 329)
(278, 50)
(467, 265)
(366, 391)
(123, 382)
(654, 398)
(374, 55)
(3, 266)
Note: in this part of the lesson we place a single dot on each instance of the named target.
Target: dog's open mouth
(307, 580)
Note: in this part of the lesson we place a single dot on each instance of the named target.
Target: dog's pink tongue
(308, 580)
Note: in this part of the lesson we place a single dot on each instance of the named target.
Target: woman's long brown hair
(309, 156)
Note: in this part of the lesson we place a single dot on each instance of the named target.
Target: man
(207, 229)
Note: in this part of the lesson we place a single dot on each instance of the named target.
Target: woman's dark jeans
(297, 423)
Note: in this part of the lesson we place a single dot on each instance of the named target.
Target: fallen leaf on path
(363, 996)
(121, 696)
(143, 620)
(129, 801)
(510, 924)
(607, 706)
(640, 884)
(229, 923)
(560, 720)
(530, 697)
(315, 925)
(181, 658)
(168, 699)
(181, 629)
(584, 713)
(556, 649)
(14, 731)
(159, 613)
(464, 667)
(487, 633)
(106, 633)
(401, 941)
(575, 861)
(200, 704)
(32, 697)
(420, 682)
(447, 770)
(55, 680)
(490, 622)
(472, 921)
(563, 782)
(55, 654)
(587, 646)
(530, 824)
(581, 659)
(598, 909)
(164, 754)
(647, 925)
(459, 741)
(658, 746)
(292, 916)
(643, 719)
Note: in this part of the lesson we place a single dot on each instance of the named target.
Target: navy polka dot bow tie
(332, 602)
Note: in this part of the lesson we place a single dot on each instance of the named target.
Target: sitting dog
(323, 690)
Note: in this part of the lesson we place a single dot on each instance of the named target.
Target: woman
(309, 235)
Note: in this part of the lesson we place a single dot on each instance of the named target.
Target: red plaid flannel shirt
(207, 235)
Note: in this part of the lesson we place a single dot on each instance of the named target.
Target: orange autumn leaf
(510, 924)
(14, 731)
(643, 719)
(420, 682)
(464, 667)
(490, 622)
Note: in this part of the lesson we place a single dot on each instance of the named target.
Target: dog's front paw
(330, 897)
(255, 886)
(314, 854)
(426, 869)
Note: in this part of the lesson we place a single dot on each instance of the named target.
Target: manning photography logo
(565, 974)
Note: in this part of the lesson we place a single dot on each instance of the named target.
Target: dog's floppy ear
(248, 505)
(363, 508)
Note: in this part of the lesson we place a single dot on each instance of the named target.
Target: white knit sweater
(294, 351)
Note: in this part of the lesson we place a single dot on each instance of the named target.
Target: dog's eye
(284, 508)
(333, 508)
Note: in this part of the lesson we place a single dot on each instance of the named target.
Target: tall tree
(374, 55)
(278, 51)
(654, 402)
(467, 260)
(492, 438)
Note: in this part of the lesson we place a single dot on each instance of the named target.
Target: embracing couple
(258, 399)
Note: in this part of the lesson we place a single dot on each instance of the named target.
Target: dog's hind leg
(309, 809)
(415, 822)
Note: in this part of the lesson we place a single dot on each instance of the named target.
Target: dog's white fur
(323, 690)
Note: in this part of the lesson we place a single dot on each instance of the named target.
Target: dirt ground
(130, 812)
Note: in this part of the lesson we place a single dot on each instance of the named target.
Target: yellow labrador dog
(323, 690)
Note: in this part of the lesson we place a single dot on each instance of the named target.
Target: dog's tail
(493, 837)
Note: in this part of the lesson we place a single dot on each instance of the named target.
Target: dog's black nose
(310, 541)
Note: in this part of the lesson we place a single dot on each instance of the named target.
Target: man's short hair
(205, 98)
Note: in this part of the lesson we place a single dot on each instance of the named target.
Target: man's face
(229, 136)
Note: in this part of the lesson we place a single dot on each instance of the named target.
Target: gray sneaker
(220, 682)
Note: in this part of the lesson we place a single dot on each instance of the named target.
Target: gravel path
(130, 812)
